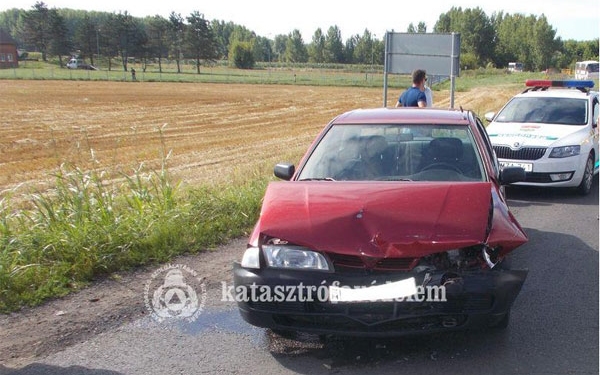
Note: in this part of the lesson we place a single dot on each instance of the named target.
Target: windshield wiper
(391, 178)
(317, 179)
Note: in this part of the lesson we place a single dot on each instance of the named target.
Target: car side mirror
(284, 171)
(510, 175)
(489, 116)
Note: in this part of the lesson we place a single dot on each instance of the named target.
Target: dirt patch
(37, 332)
(214, 131)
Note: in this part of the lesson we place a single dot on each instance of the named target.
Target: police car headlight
(565, 151)
(294, 257)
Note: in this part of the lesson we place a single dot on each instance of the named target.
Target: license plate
(528, 167)
(388, 291)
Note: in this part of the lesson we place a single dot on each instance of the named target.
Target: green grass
(86, 226)
(266, 73)
(472, 79)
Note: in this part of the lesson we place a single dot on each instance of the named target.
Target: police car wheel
(588, 174)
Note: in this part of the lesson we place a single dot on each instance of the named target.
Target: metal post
(385, 69)
(97, 50)
(452, 69)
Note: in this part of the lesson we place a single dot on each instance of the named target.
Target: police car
(551, 131)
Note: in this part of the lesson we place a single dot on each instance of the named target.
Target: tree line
(486, 41)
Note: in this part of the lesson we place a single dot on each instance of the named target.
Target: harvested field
(212, 130)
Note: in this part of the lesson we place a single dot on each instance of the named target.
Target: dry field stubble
(214, 131)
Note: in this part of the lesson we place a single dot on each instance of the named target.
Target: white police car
(551, 131)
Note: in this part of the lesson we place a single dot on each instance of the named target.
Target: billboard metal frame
(438, 54)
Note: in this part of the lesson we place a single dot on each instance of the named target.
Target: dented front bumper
(472, 299)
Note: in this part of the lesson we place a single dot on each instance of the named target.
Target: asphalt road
(553, 329)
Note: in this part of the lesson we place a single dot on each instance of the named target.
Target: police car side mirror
(490, 116)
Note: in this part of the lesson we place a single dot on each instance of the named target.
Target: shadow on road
(553, 328)
(521, 196)
(43, 369)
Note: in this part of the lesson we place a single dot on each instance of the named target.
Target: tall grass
(87, 225)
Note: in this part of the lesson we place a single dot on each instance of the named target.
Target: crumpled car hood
(381, 219)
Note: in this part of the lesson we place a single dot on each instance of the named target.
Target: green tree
(35, 28)
(477, 35)
(199, 41)
(364, 51)
(334, 47)
(125, 37)
(9, 21)
(59, 44)
(265, 48)
(157, 30)
(175, 37)
(316, 50)
(223, 31)
(543, 44)
(421, 28)
(85, 38)
(241, 55)
(295, 50)
(349, 49)
(243, 34)
(279, 46)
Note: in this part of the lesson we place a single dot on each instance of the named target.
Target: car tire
(585, 186)
(288, 334)
(502, 323)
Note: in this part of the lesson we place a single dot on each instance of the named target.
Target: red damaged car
(394, 222)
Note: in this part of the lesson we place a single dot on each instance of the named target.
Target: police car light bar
(548, 83)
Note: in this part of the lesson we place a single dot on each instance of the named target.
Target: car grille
(343, 323)
(525, 153)
(343, 262)
(381, 311)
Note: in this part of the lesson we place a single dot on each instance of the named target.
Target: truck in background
(586, 70)
(75, 63)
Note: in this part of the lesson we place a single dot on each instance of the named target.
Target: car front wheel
(588, 174)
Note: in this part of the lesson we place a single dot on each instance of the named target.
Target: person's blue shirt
(412, 96)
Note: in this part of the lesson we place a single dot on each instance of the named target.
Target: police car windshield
(563, 111)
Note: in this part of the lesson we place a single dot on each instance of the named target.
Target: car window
(488, 146)
(564, 111)
(394, 153)
(595, 111)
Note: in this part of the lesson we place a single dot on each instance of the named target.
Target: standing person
(415, 95)
(429, 96)
(133, 74)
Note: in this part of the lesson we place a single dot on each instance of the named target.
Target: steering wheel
(353, 170)
(442, 165)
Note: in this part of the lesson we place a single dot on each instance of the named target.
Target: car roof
(404, 115)
(558, 93)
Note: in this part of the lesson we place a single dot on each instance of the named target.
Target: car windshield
(394, 153)
(563, 111)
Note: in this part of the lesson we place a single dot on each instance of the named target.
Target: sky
(572, 19)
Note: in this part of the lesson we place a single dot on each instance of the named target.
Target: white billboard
(438, 54)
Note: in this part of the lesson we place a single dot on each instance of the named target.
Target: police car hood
(523, 134)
